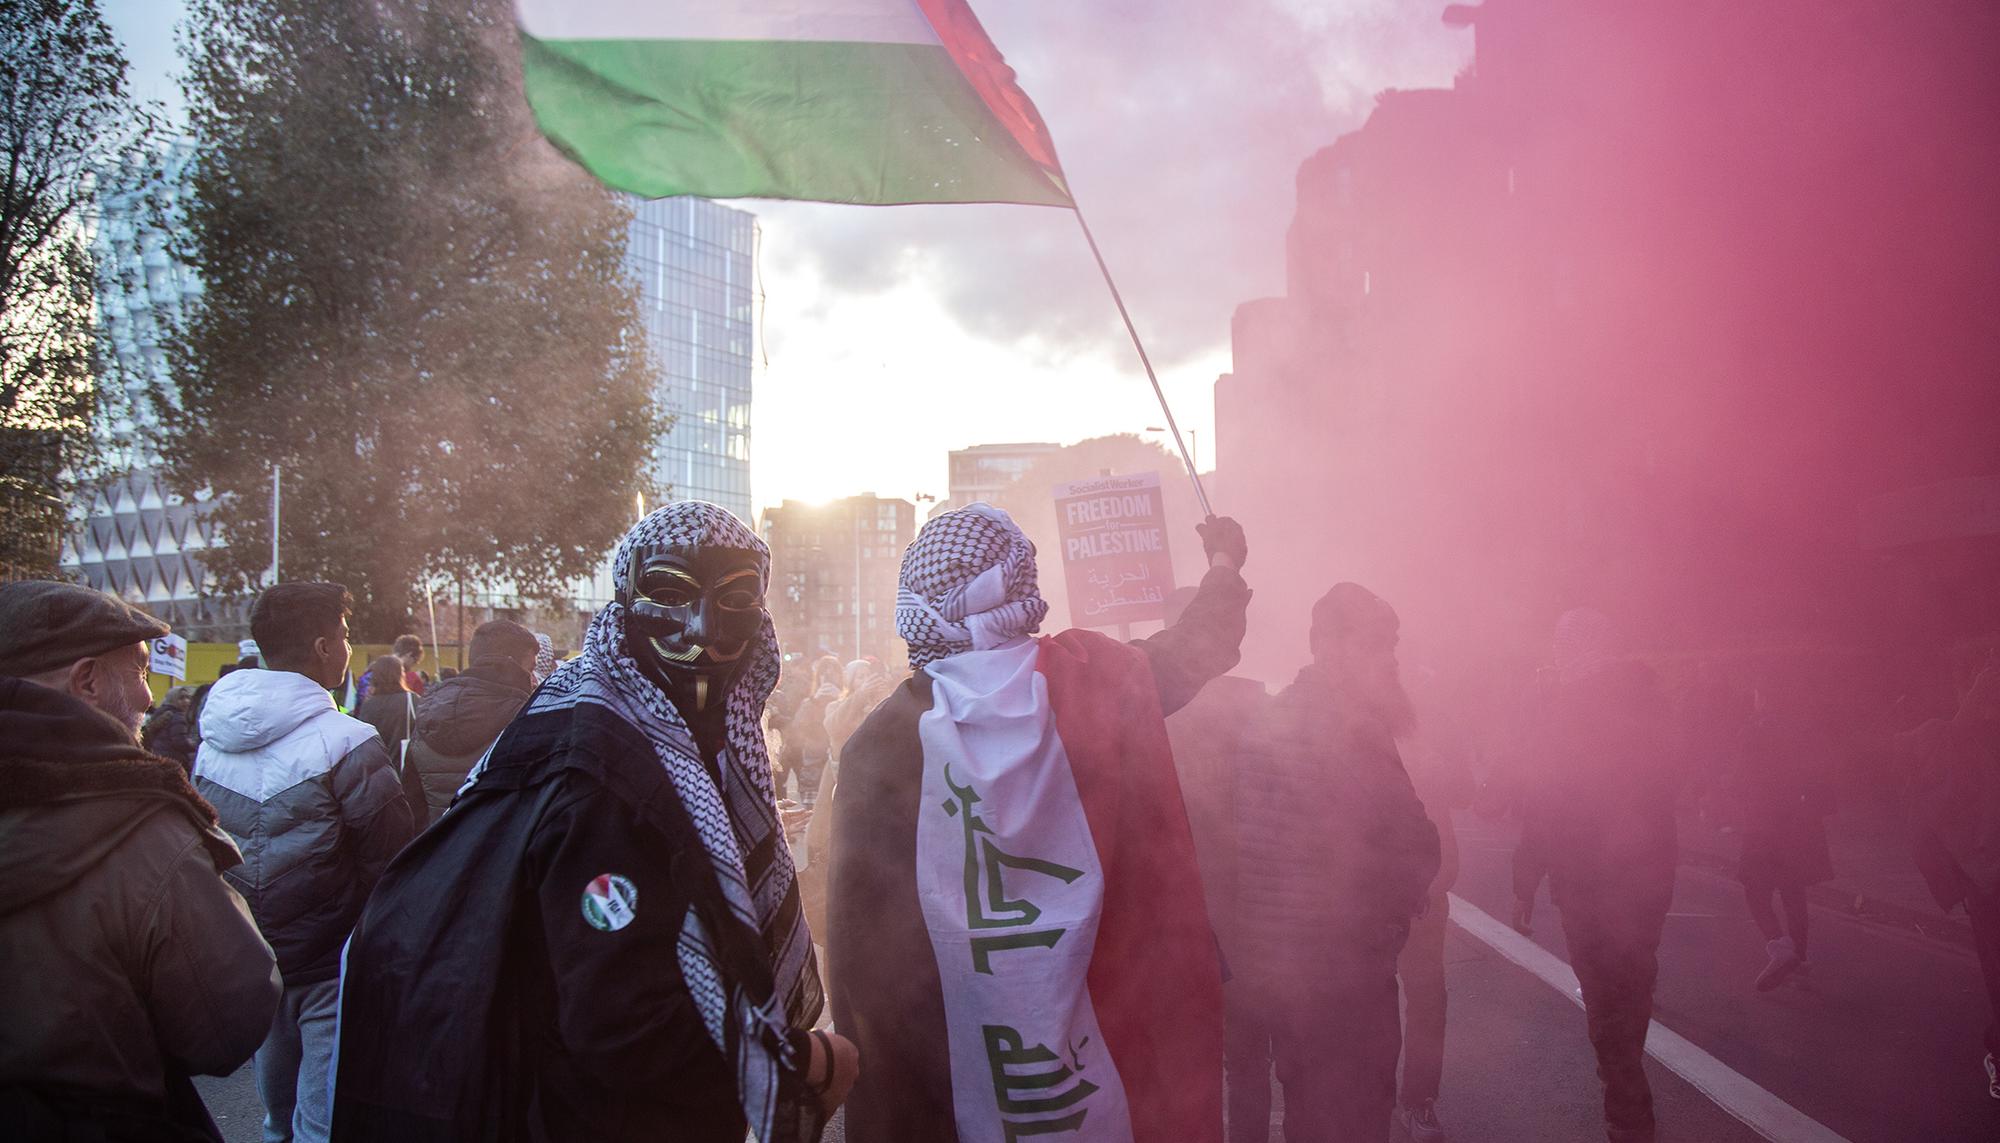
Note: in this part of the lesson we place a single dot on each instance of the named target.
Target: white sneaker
(1783, 963)
(1420, 1124)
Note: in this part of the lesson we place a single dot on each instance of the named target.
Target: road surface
(1881, 1042)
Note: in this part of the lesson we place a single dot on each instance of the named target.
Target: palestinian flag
(1018, 942)
(866, 101)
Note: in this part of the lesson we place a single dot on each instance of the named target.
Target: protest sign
(170, 656)
(1114, 549)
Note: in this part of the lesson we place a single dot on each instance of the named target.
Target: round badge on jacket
(610, 902)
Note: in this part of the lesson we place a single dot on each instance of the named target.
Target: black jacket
(480, 1003)
(456, 721)
(169, 733)
(389, 713)
(1334, 851)
(1603, 790)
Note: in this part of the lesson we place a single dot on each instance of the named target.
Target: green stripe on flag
(831, 122)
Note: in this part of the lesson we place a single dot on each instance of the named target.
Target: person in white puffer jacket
(314, 802)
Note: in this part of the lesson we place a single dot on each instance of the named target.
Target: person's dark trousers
(1421, 969)
(1614, 941)
(1246, 1059)
(1336, 1048)
(1530, 865)
(1984, 911)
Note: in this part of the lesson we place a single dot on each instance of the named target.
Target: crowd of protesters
(1034, 881)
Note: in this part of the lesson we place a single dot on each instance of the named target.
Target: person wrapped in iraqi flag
(601, 937)
(1016, 915)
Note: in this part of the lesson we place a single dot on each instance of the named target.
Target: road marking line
(1726, 1087)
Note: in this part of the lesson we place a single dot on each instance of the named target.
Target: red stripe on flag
(1155, 979)
(983, 67)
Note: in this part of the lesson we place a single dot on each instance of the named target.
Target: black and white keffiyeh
(967, 583)
(738, 824)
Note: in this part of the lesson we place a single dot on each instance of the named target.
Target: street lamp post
(857, 581)
(276, 479)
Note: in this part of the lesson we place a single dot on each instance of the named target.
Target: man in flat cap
(132, 965)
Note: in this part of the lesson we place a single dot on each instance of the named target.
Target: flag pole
(1199, 493)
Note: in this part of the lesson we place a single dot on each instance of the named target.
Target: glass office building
(692, 261)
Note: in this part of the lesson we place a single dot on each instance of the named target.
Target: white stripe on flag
(797, 21)
(1012, 893)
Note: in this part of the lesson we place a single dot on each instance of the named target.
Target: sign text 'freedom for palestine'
(1114, 544)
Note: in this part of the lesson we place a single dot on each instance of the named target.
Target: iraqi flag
(865, 101)
(1018, 940)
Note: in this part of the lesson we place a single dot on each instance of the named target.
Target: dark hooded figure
(168, 731)
(1018, 929)
(461, 716)
(601, 938)
(1334, 857)
(1603, 811)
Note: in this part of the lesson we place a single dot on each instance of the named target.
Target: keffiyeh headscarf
(545, 656)
(751, 972)
(967, 584)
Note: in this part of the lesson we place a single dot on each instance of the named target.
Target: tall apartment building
(980, 472)
(833, 574)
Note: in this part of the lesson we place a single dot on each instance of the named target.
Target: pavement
(232, 1101)
(1880, 1041)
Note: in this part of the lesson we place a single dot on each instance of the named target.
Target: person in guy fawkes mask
(1334, 857)
(600, 939)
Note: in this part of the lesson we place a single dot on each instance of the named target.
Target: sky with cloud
(894, 334)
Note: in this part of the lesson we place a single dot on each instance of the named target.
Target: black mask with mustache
(693, 616)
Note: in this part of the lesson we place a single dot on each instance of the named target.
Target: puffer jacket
(126, 963)
(313, 801)
(456, 722)
(1334, 851)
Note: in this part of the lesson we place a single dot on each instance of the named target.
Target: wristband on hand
(826, 1049)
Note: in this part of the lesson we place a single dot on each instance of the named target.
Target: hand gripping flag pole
(861, 101)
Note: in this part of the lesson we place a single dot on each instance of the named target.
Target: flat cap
(45, 625)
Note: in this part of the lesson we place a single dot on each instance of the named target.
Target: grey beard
(1384, 700)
